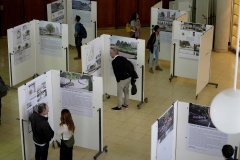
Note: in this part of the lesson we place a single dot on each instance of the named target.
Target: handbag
(149, 44)
(69, 143)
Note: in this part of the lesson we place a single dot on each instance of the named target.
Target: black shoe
(126, 107)
(116, 108)
(59, 144)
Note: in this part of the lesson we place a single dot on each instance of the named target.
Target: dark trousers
(41, 152)
(65, 152)
(78, 43)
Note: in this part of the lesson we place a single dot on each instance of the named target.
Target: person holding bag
(135, 26)
(154, 46)
(66, 132)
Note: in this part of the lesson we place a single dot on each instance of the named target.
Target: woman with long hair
(66, 132)
(154, 43)
(135, 25)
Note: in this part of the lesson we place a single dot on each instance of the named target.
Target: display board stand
(188, 67)
(91, 30)
(165, 46)
(183, 133)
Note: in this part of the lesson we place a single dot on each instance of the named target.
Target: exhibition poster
(165, 145)
(127, 47)
(77, 93)
(93, 60)
(203, 136)
(190, 36)
(36, 93)
(21, 43)
(82, 8)
(50, 38)
(57, 10)
(165, 19)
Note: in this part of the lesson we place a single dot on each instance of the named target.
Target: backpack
(130, 69)
(128, 28)
(3, 88)
(83, 32)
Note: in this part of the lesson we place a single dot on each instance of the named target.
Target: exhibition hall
(119, 80)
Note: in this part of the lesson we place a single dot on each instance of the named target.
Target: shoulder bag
(69, 143)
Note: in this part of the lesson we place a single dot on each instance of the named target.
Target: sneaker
(151, 70)
(126, 107)
(158, 68)
(77, 58)
(116, 108)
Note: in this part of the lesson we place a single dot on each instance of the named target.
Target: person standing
(135, 26)
(227, 151)
(78, 39)
(122, 78)
(42, 132)
(66, 132)
(154, 42)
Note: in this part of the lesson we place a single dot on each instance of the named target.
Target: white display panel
(154, 134)
(110, 83)
(87, 128)
(91, 32)
(182, 6)
(204, 64)
(45, 62)
(182, 134)
(28, 138)
(165, 48)
(21, 71)
(60, 14)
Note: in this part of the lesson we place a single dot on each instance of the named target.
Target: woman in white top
(66, 131)
(135, 26)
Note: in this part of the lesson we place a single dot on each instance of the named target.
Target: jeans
(156, 51)
(41, 152)
(123, 87)
(78, 43)
(65, 152)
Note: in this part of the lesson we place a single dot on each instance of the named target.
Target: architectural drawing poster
(77, 93)
(50, 38)
(93, 60)
(36, 93)
(82, 8)
(127, 47)
(203, 136)
(57, 11)
(21, 43)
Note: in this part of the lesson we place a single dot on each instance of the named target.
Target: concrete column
(222, 27)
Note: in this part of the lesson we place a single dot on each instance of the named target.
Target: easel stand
(172, 75)
(145, 99)
(66, 58)
(235, 152)
(100, 137)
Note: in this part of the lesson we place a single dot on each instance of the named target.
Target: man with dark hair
(122, 77)
(227, 152)
(78, 39)
(42, 132)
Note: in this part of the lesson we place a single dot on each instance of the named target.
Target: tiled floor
(127, 133)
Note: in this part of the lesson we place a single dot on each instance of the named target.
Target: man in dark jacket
(122, 77)
(42, 132)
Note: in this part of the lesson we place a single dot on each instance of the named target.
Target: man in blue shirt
(227, 152)
(78, 39)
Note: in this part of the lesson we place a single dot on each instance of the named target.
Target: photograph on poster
(36, 93)
(193, 27)
(127, 47)
(83, 9)
(203, 137)
(77, 93)
(50, 38)
(189, 45)
(165, 124)
(93, 52)
(57, 9)
(200, 115)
